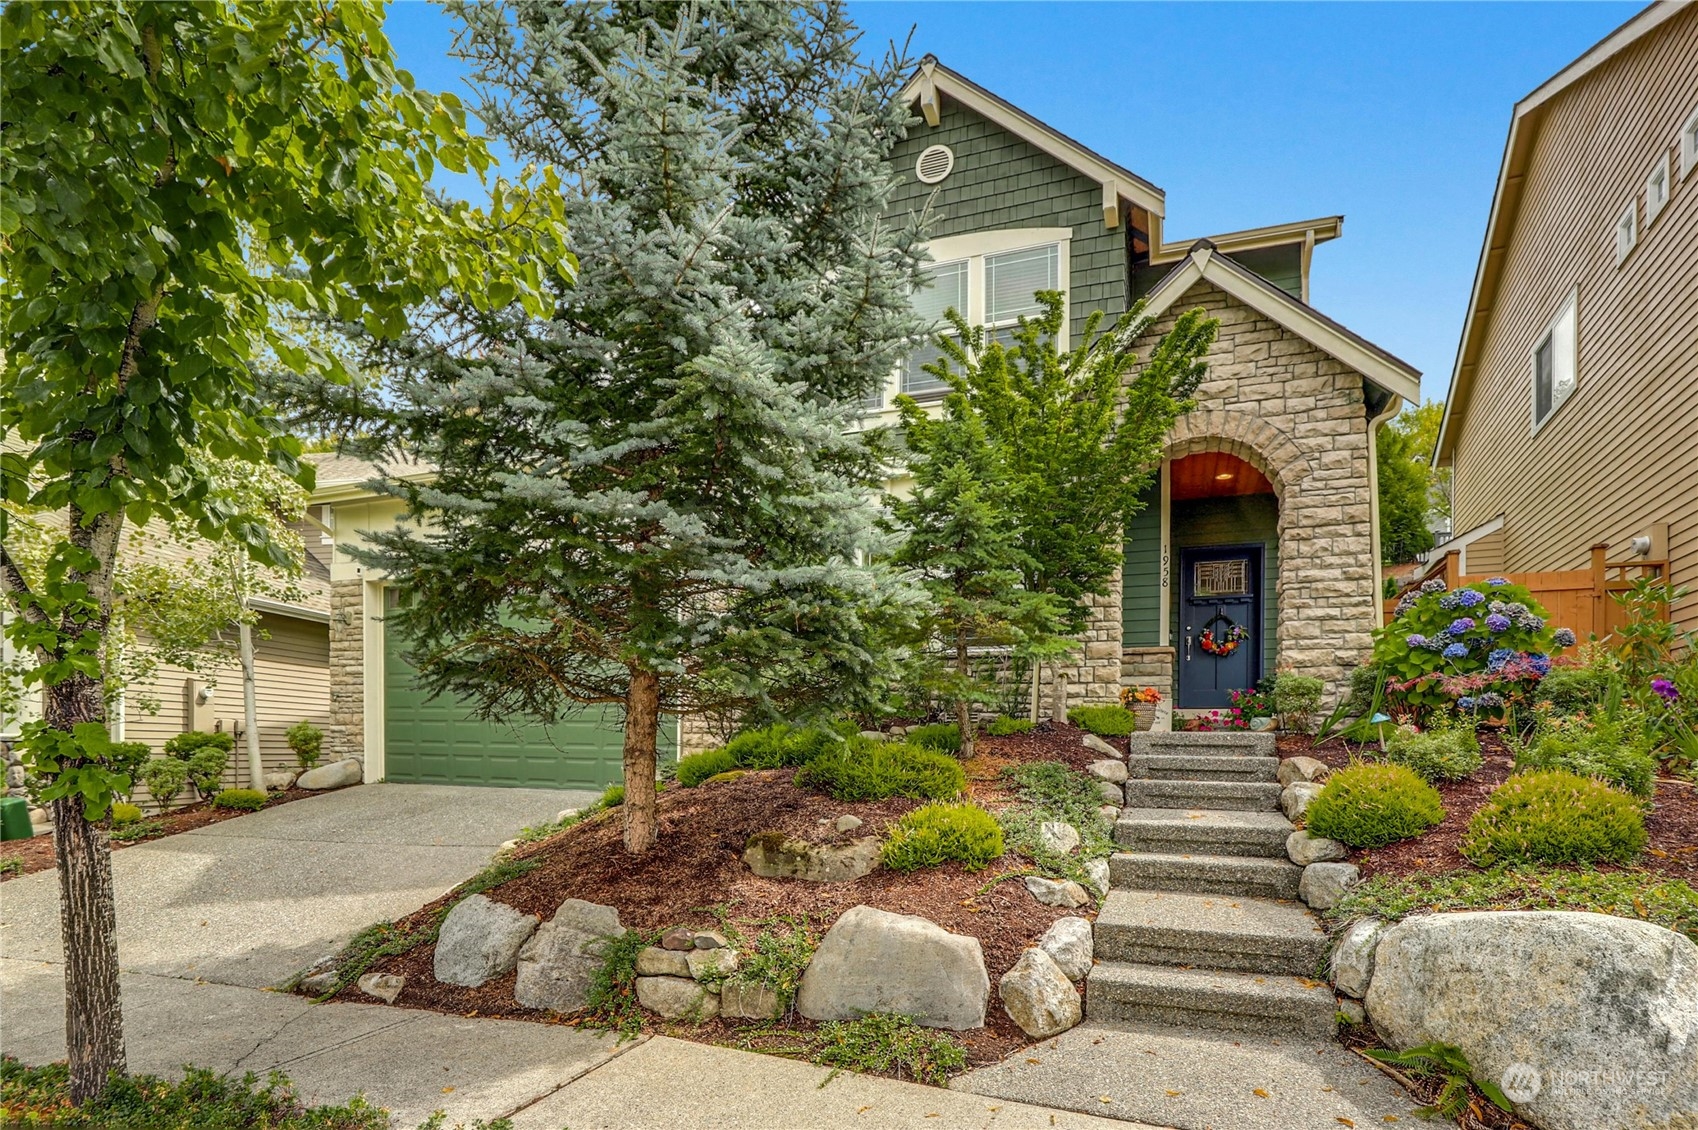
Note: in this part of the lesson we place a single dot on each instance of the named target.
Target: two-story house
(1572, 418)
(1264, 515)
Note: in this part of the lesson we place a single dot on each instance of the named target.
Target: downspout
(1374, 425)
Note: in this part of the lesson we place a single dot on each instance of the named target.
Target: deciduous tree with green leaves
(1414, 496)
(172, 173)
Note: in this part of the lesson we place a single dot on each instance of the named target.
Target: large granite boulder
(874, 961)
(1586, 1020)
(480, 939)
(773, 855)
(1039, 997)
(557, 965)
(336, 775)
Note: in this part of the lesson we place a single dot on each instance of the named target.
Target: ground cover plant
(1050, 791)
(1554, 816)
(1004, 727)
(944, 737)
(1369, 806)
(1613, 750)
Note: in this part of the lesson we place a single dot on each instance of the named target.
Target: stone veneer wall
(1148, 667)
(1093, 671)
(1297, 414)
(698, 732)
(345, 736)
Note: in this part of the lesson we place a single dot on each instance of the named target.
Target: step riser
(1168, 767)
(1203, 876)
(1210, 744)
(1317, 1022)
(1229, 796)
(1170, 840)
(1121, 943)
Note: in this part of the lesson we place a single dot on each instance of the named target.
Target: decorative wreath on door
(1225, 641)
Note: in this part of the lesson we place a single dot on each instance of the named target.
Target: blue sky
(1247, 114)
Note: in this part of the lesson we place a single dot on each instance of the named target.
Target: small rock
(1305, 849)
(564, 814)
(1295, 799)
(1323, 884)
(1112, 793)
(1108, 769)
(1352, 1011)
(1294, 769)
(1109, 812)
(1261, 725)
(384, 986)
(558, 964)
(278, 780)
(1096, 873)
(654, 961)
(507, 845)
(708, 940)
(1097, 745)
(875, 735)
(480, 939)
(336, 775)
(677, 998)
(1039, 997)
(748, 1000)
(874, 961)
(774, 855)
(847, 822)
(1071, 944)
(678, 939)
(1058, 836)
(710, 965)
(1057, 892)
(1352, 965)
(319, 977)
(899, 731)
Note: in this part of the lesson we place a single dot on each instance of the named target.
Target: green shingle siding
(1243, 520)
(1140, 593)
(1001, 182)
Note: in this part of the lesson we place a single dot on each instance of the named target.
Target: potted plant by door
(1142, 702)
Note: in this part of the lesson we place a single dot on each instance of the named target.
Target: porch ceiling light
(1224, 475)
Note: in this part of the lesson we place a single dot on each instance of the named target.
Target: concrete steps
(1202, 767)
(1223, 932)
(1237, 796)
(1269, 1004)
(1178, 831)
(1231, 743)
(1249, 875)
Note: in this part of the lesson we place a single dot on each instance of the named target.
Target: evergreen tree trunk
(642, 726)
(88, 920)
(963, 708)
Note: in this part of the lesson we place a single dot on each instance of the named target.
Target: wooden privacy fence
(1575, 598)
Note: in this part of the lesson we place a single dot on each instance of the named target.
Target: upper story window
(945, 289)
(1011, 280)
(1554, 364)
(1626, 231)
(1656, 190)
(1689, 145)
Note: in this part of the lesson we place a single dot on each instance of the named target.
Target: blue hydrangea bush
(1469, 646)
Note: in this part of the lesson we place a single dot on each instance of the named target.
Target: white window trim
(973, 248)
(1689, 145)
(1570, 306)
(1628, 217)
(1653, 209)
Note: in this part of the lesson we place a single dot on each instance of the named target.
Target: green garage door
(441, 742)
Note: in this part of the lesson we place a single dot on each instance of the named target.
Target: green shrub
(1007, 727)
(780, 746)
(1575, 690)
(1109, 721)
(206, 769)
(188, 743)
(867, 770)
(1437, 755)
(166, 777)
(123, 814)
(945, 737)
(129, 758)
(1295, 700)
(698, 767)
(1369, 806)
(939, 833)
(248, 800)
(1613, 752)
(1554, 816)
(306, 741)
(613, 796)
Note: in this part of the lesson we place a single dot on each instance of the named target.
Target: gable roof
(1524, 126)
(1204, 263)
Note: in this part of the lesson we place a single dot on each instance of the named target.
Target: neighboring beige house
(1572, 417)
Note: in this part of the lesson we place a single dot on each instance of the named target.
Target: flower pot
(1144, 715)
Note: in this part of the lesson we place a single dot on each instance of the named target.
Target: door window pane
(1012, 278)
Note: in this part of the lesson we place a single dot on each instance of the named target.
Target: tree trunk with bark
(642, 727)
(963, 708)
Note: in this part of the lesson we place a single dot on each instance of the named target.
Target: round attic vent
(934, 164)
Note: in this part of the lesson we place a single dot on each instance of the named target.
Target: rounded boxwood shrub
(1437, 755)
(1108, 721)
(867, 770)
(698, 767)
(1006, 727)
(939, 833)
(166, 777)
(123, 814)
(945, 737)
(248, 800)
(1613, 753)
(1369, 806)
(1554, 816)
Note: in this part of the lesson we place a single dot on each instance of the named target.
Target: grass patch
(1109, 721)
(1049, 790)
(886, 1043)
(1626, 894)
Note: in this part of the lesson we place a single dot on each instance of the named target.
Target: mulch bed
(37, 851)
(1048, 741)
(696, 873)
(1672, 822)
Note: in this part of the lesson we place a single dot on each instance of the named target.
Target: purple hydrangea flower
(1491, 699)
(1451, 601)
(1541, 664)
(1497, 606)
(1456, 651)
(1564, 637)
(1495, 581)
(1497, 622)
(1405, 603)
(1468, 598)
(1436, 643)
(1434, 585)
(1531, 622)
(1460, 625)
(1416, 640)
(1668, 691)
(1499, 656)
(1466, 702)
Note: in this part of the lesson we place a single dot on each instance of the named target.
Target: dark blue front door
(1220, 593)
